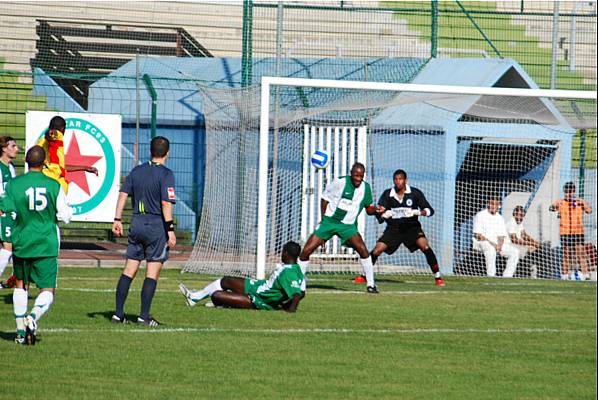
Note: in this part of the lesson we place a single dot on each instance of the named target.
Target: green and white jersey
(345, 201)
(7, 172)
(40, 203)
(285, 282)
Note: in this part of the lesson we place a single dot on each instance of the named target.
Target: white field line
(361, 292)
(499, 281)
(326, 330)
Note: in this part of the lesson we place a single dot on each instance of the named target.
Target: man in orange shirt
(53, 144)
(570, 210)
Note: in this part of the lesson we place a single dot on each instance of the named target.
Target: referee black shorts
(394, 238)
(147, 239)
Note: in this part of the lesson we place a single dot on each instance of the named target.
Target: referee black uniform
(148, 185)
(151, 188)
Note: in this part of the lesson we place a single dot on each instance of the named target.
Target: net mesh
(457, 149)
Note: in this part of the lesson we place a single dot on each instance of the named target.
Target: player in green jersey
(39, 203)
(9, 150)
(342, 202)
(283, 290)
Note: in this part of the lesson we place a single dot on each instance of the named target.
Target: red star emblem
(73, 156)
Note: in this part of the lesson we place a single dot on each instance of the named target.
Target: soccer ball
(320, 159)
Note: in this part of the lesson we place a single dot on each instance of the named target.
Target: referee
(151, 234)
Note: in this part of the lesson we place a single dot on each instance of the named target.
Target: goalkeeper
(402, 206)
(283, 290)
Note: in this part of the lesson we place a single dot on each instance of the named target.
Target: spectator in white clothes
(519, 237)
(490, 237)
(529, 248)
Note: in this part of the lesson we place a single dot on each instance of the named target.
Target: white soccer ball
(320, 159)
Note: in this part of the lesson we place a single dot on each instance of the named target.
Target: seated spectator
(526, 245)
(490, 237)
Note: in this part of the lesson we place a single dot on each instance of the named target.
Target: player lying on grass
(283, 290)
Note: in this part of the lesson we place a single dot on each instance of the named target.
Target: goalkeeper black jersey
(398, 210)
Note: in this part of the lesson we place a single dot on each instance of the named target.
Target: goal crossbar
(268, 81)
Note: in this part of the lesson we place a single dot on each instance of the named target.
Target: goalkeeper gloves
(412, 213)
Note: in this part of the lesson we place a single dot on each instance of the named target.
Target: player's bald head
(357, 173)
(35, 157)
(358, 167)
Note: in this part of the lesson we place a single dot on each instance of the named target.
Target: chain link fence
(57, 56)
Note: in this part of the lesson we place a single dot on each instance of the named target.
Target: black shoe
(149, 322)
(118, 320)
(30, 332)
(372, 289)
(19, 339)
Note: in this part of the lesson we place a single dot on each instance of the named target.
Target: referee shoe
(118, 320)
(148, 321)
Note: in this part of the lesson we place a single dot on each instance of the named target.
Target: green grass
(475, 338)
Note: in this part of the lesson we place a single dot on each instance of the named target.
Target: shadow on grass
(107, 315)
(7, 298)
(10, 337)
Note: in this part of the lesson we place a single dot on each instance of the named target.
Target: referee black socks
(122, 290)
(147, 295)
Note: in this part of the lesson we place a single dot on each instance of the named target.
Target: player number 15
(37, 198)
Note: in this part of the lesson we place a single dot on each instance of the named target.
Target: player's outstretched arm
(73, 168)
(292, 305)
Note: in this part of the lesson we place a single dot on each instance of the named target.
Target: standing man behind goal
(342, 202)
(151, 235)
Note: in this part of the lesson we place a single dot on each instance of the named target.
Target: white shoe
(30, 330)
(31, 324)
(187, 293)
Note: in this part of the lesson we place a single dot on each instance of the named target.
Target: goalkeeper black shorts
(394, 238)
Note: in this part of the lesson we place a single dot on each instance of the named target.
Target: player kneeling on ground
(283, 290)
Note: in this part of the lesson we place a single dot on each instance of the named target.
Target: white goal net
(459, 146)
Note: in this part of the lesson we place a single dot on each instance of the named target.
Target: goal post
(268, 82)
(458, 145)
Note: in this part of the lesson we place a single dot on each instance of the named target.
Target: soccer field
(475, 338)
